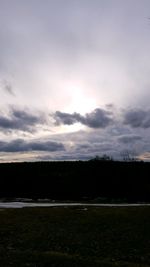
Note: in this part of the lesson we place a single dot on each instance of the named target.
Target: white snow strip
(34, 204)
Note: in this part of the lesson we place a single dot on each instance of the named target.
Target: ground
(75, 237)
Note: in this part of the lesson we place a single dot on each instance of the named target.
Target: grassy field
(75, 237)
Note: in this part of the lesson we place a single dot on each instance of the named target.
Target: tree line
(76, 180)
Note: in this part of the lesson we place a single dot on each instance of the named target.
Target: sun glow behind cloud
(80, 100)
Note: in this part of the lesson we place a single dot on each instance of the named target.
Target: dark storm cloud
(19, 145)
(20, 120)
(99, 118)
(137, 118)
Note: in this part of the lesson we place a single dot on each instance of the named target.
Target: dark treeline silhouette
(76, 180)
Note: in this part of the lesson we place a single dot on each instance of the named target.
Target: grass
(74, 237)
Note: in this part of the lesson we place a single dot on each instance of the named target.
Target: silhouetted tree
(128, 155)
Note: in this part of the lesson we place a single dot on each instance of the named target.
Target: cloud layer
(109, 132)
(99, 118)
(20, 145)
(68, 59)
(21, 120)
(137, 118)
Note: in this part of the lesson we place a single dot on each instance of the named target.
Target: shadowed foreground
(77, 181)
(64, 237)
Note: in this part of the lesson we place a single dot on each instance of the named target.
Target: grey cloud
(97, 149)
(78, 145)
(137, 118)
(7, 87)
(20, 120)
(99, 118)
(19, 145)
(97, 142)
(129, 139)
(66, 118)
(77, 36)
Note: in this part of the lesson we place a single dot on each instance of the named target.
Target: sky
(74, 79)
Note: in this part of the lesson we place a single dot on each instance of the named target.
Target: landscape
(65, 226)
(74, 133)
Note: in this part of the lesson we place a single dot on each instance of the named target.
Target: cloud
(99, 118)
(20, 120)
(7, 87)
(66, 118)
(129, 138)
(111, 141)
(19, 145)
(137, 118)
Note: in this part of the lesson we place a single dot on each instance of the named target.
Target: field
(75, 237)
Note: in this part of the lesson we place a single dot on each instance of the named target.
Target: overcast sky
(74, 79)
